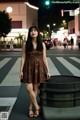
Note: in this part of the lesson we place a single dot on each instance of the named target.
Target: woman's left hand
(48, 76)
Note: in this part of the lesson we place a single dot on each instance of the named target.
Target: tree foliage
(5, 23)
(20, 37)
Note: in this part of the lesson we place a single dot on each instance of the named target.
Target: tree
(5, 25)
(20, 37)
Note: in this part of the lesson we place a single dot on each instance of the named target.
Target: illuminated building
(23, 15)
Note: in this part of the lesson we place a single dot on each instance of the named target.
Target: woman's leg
(31, 105)
(32, 95)
(31, 113)
(35, 88)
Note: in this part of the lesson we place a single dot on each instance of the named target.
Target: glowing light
(31, 6)
(63, 21)
(15, 32)
(54, 24)
(47, 2)
(41, 33)
(62, 12)
(9, 9)
(48, 25)
(65, 2)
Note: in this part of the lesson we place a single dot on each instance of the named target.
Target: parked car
(48, 43)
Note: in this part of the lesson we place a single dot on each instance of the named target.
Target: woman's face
(33, 33)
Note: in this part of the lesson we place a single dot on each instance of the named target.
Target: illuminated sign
(65, 2)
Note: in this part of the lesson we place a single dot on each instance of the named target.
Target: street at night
(13, 95)
(24, 26)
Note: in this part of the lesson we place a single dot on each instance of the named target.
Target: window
(16, 24)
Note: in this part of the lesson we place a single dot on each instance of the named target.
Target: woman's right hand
(48, 76)
(21, 75)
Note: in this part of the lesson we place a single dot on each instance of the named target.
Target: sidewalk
(8, 50)
(62, 47)
(58, 47)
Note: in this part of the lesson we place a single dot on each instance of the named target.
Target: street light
(64, 24)
(9, 9)
(54, 24)
(64, 21)
(48, 25)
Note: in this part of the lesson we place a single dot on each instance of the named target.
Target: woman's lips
(33, 34)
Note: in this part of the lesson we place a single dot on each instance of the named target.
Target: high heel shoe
(37, 112)
(31, 114)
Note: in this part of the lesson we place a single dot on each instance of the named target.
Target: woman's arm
(45, 60)
(22, 60)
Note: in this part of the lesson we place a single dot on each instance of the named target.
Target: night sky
(50, 15)
(53, 14)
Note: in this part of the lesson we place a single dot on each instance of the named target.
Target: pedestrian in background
(64, 43)
(11, 45)
(72, 42)
(5, 45)
(34, 67)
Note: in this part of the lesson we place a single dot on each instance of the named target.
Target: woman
(34, 67)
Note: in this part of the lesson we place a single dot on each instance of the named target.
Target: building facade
(73, 25)
(23, 16)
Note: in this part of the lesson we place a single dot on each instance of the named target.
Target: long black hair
(29, 45)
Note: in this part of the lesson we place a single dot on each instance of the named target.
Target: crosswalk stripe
(75, 71)
(4, 61)
(10, 101)
(75, 59)
(52, 67)
(12, 78)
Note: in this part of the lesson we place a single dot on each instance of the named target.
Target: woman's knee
(29, 87)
